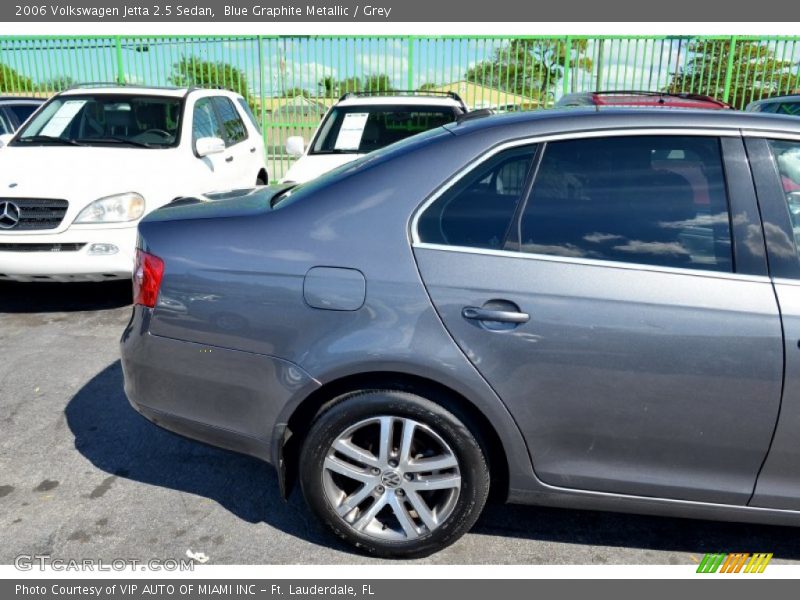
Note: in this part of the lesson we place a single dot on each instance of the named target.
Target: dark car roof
(543, 122)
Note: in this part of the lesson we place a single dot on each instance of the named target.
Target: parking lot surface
(82, 475)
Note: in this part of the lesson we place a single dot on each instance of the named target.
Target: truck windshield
(105, 119)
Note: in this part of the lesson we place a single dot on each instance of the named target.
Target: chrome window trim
(786, 281)
(555, 137)
(771, 134)
(592, 262)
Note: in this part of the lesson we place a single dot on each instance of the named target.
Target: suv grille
(36, 213)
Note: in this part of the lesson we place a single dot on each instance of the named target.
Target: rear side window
(477, 211)
(232, 124)
(205, 122)
(787, 158)
(655, 200)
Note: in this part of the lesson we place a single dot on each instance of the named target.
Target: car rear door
(634, 339)
(776, 170)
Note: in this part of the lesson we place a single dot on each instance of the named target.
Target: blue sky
(302, 62)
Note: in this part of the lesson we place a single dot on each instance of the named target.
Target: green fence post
(120, 64)
(567, 58)
(726, 94)
(410, 62)
(262, 89)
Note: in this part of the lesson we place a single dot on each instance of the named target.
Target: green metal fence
(290, 81)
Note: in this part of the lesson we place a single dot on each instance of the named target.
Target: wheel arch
(289, 436)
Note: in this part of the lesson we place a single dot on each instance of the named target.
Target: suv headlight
(113, 209)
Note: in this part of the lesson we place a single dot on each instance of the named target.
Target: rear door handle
(252, 150)
(229, 159)
(500, 316)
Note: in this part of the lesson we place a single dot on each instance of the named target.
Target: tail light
(147, 278)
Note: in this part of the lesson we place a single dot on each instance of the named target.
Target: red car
(629, 98)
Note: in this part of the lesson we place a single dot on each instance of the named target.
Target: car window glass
(22, 111)
(365, 128)
(788, 108)
(478, 209)
(232, 124)
(656, 200)
(5, 125)
(107, 119)
(248, 111)
(205, 122)
(787, 159)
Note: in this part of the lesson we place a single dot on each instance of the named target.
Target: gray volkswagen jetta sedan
(588, 309)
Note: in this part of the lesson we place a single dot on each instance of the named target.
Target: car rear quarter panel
(236, 282)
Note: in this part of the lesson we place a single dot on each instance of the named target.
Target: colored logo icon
(738, 562)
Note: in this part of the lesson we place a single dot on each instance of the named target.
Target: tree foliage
(530, 67)
(297, 92)
(191, 70)
(756, 71)
(12, 80)
(57, 84)
(330, 87)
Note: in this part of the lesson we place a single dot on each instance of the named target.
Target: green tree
(757, 72)
(351, 84)
(428, 87)
(329, 87)
(378, 83)
(12, 80)
(191, 70)
(297, 92)
(57, 84)
(530, 67)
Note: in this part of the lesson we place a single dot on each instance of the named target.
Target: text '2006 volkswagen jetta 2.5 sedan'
(581, 309)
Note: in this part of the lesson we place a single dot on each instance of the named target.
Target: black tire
(353, 408)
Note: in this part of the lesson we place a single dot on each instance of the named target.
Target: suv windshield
(106, 119)
(362, 129)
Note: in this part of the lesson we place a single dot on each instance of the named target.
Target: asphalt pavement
(82, 475)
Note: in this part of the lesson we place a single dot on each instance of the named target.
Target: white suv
(81, 173)
(361, 122)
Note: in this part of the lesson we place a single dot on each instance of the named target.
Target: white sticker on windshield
(59, 122)
(351, 131)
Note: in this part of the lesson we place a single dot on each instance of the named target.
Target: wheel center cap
(391, 479)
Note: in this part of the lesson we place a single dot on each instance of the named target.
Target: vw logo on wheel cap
(391, 479)
(9, 215)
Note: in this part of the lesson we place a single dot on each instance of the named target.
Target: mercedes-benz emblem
(9, 215)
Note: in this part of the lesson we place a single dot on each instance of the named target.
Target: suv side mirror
(295, 146)
(208, 145)
(5, 138)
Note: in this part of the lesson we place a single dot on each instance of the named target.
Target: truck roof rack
(423, 93)
(475, 114)
(102, 84)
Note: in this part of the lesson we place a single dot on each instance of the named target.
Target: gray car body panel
(234, 285)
